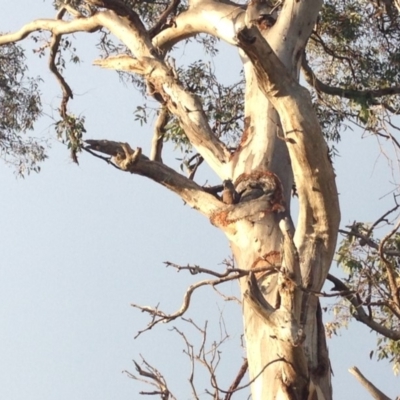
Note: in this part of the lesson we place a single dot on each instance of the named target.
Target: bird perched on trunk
(229, 194)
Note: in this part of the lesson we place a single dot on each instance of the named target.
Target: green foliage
(367, 276)
(387, 349)
(223, 105)
(70, 131)
(141, 114)
(355, 47)
(332, 122)
(20, 107)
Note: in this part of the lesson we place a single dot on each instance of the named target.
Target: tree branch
(185, 106)
(57, 27)
(281, 320)
(359, 314)
(215, 18)
(294, 26)
(372, 389)
(391, 273)
(160, 316)
(158, 135)
(188, 190)
(154, 378)
(370, 242)
(234, 386)
(171, 8)
(54, 45)
(319, 86)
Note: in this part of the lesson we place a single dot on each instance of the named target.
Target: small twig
(190, 354)
(227, 298)
(155, 378)
(254, 379)
(195, 269)
(383, 218)
(108, 160)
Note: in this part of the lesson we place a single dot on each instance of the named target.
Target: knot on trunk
(282, 321)
(128, 158)
(261, 183)
(251, 197)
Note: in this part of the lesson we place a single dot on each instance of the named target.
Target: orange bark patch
(270, 183)
(268, 260)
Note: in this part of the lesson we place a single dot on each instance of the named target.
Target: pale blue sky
(80, 243)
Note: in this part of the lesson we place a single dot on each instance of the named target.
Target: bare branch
(190, 353)
(108, 160)
(235, 384)
(155, 378)
(294, 25)
(228, 392)
(372, 389)
(216, 18)
(189, 191)
(195, 269)
(160, 316)
(57, 27)
(192, 168)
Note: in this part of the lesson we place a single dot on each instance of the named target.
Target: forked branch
(151, 376)
(358, 310)
(185, 106)
(282, 321)
(159, 316)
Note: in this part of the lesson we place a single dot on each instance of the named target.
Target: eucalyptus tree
(264, 137)
(19, 108)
